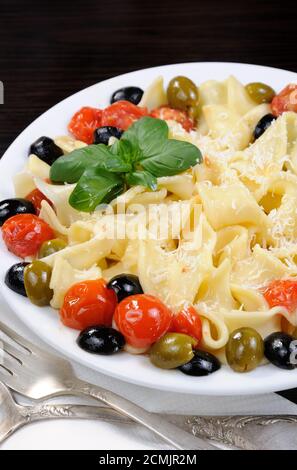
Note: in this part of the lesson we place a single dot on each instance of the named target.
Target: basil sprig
(69, 168)
(96, 186)
(143, 154)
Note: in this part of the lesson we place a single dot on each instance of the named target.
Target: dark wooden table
(51, 49)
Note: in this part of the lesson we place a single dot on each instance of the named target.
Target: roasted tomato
(171, 114)
(36, 197)
(84, 123)
(122, 114)
(142, 319)
(282, 293)
(24, 234)
(286, 100)
(187, 321)
(88, 303)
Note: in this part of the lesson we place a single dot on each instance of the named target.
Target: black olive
(129, 93)
(263, 124)
(125, 285)
(14, 278)
(203, 363)
(278, 348)
(46, 149)
(101, 340)
(14, 206)
(103, 134)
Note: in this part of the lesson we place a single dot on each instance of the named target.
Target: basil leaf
(116, 164)
(142, 178)
(96, 186)
(69, 168)
(148, 135)
(175, 157)
(126, 151)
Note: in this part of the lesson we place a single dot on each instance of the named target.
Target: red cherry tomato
(282, 293)
(84, 123)
(122, 114)
(36, 197)
(286, 100)
(142, 319)
(24, 234)
(187, 321)
(88, 303)
(168, 114)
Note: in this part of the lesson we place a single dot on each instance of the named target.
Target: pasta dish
(166, 224)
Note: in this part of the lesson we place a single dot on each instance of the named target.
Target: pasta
(230, 222)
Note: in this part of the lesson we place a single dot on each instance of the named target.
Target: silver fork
(38, 374)
(226, 430)
(13, 416)
(231, 432)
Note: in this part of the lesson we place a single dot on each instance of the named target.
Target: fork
(38, 374)
(13, 416)
(225, 430)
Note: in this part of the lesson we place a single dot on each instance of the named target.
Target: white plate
(45, 322)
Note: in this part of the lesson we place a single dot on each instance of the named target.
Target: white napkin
(76, 434)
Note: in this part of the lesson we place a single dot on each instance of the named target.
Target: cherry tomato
(84, 123)
(142, 319)
(36, 197)
(122, 114)
(187, 321)
(168, 114)
(286, 100)
(88, 303)
(282, 293)
(24, 234)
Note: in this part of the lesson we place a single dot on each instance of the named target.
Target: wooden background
(51, 49)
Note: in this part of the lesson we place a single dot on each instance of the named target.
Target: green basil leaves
(143, 154)
(173, 157)
(96, 186)
(142, 178)
(69, 168)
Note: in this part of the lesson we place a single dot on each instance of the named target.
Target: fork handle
(173, 435)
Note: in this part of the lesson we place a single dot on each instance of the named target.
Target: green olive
(259, 92)
(51, 246)
(182, 93)
(37, 276)
(244, 350)
(172, 350)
